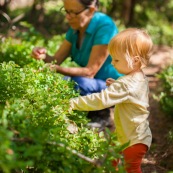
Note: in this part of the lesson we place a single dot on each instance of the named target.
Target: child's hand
(72, 127)
(70, 110)
(70, 106)
(53, 67)
(109, 81)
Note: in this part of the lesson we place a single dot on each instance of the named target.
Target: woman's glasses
(72, 13)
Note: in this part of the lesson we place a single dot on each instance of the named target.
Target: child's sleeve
(115, 94)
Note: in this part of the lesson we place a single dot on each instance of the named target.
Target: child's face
(121, 64)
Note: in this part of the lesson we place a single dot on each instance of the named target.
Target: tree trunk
(38, 12)
(4, 4)
(113, 9)
(128, 12)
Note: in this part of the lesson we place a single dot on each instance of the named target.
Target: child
(130, 51)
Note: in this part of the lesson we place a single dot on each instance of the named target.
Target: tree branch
(6, 16)
(94, 162)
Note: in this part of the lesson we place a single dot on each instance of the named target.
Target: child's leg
(133, 157)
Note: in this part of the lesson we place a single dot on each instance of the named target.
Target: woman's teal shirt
(99, 32)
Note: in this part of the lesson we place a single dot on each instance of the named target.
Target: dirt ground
(160, 156)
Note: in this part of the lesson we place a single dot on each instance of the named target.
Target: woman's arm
(63, 52)
(98, 56)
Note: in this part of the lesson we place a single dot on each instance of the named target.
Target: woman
(86, 42)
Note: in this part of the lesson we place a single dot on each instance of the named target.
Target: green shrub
(34, 124)
(166, 95)
(35, 133)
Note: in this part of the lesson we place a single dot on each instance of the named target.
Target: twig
(22, 140)
(19, 17)
(94, 162)
(10, 21)
(7, 17)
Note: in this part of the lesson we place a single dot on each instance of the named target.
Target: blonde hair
(132, 43)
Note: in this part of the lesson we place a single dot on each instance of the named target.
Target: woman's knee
(88, 86)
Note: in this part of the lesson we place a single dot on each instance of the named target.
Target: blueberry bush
(37, 131)
(165, 96)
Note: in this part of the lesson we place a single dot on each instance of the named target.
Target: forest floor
(159, 159)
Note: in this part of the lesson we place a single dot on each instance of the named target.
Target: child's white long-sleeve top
(129, 94)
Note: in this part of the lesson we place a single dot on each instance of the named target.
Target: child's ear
(137, 59)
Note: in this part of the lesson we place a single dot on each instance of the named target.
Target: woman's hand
(53, 67)
(39, 53)
(109, 81)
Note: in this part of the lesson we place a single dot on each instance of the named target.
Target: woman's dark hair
(88, 3)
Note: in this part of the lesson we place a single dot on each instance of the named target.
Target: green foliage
(18, 52)
(37, 131)
(170, 137)
(32, 36)
(105, 4)
(155, 16)
(151, 19)
(166, 95)
(35, 116)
